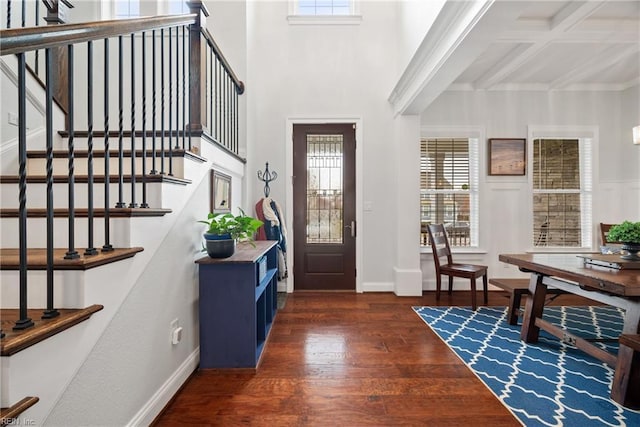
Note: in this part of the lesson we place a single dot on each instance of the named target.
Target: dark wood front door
(324, 202)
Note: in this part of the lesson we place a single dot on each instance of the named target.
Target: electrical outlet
(13, 119)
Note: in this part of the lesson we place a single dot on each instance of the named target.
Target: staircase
(98, 231)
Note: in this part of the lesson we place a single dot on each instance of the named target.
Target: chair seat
(467, 270)
(440, 247)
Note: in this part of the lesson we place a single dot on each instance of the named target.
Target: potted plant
(629, 234)
(225, 229)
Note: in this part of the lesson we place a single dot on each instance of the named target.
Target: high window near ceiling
(562, 192)
(449, 188)
(123, 9)
(324, 7)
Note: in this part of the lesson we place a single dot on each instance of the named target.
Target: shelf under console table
(238, 303)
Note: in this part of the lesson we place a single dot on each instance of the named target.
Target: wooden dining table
(599, 281)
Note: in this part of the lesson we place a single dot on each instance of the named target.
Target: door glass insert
(324, 189)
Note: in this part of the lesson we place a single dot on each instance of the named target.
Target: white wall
(505, 200)
(327, 71)
(415, 17)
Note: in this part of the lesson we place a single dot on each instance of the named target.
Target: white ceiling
(562, 45)
(523, 45)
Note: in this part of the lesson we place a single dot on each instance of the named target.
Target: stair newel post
(71, 252)
(144, 121)
(90, 250)
(197, 68)
(24, 321)
(133, 203)
(120, 203)
(50, 311)
(170, 102)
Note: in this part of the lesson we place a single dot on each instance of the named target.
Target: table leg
(625, 388)
(533, 309)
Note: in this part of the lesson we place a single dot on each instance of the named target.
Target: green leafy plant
(239, 227)
(627, 232)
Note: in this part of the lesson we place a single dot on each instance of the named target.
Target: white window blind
(449, 188)
(562, 192)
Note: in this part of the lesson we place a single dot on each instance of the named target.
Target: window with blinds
(561, 192)
(448, 188)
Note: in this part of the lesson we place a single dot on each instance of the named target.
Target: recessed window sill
(324, 19)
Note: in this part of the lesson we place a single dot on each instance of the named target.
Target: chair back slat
(439, 244)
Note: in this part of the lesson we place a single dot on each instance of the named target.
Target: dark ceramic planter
(632, 251)
(219, 245)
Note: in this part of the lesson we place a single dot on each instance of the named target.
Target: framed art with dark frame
(507, 156)
(220, 192)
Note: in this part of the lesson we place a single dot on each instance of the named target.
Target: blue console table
(238, 303)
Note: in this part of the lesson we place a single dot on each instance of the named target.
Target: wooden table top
(246, 252)
(572, 267)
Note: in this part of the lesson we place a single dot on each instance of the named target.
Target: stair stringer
(125, 356)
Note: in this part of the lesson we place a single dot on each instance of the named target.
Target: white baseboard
(408, 282)
(159, 400)
(377, 287)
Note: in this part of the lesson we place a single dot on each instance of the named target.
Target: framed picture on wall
(507, 156)
(220, 192)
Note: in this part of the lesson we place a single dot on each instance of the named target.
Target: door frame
(289, 187)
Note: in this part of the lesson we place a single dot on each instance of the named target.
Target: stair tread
(9, 415)
(83, 179)
(83, 212)
(37, 258)
(63, 154)
(15, 341)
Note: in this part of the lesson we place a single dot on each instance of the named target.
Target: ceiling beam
(460, 34)
(597, 63)
(564, 20)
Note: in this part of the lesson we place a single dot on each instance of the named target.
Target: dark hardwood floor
(347, 359)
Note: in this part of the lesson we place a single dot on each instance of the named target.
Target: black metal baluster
(90, 250)
(184, 96)
(144, 121)
(24, 322)
(133, 203)
(170, 104)
(120, 203)
(153, 107)
(50, 312)
(212, 94)
(162, 128)
(177, 146)
(218, 102)
(71, 251)
(107, 204)
(24, 13)
(189, 103)
(8, 14)
(237, 131)
(37, 22)
(226, 111)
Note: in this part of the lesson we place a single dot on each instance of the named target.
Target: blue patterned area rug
(545, 384)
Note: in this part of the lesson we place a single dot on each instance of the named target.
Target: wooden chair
(440, 248)
(604, 232)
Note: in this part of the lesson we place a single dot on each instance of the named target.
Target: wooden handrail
(21, 40)
(209, 38)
